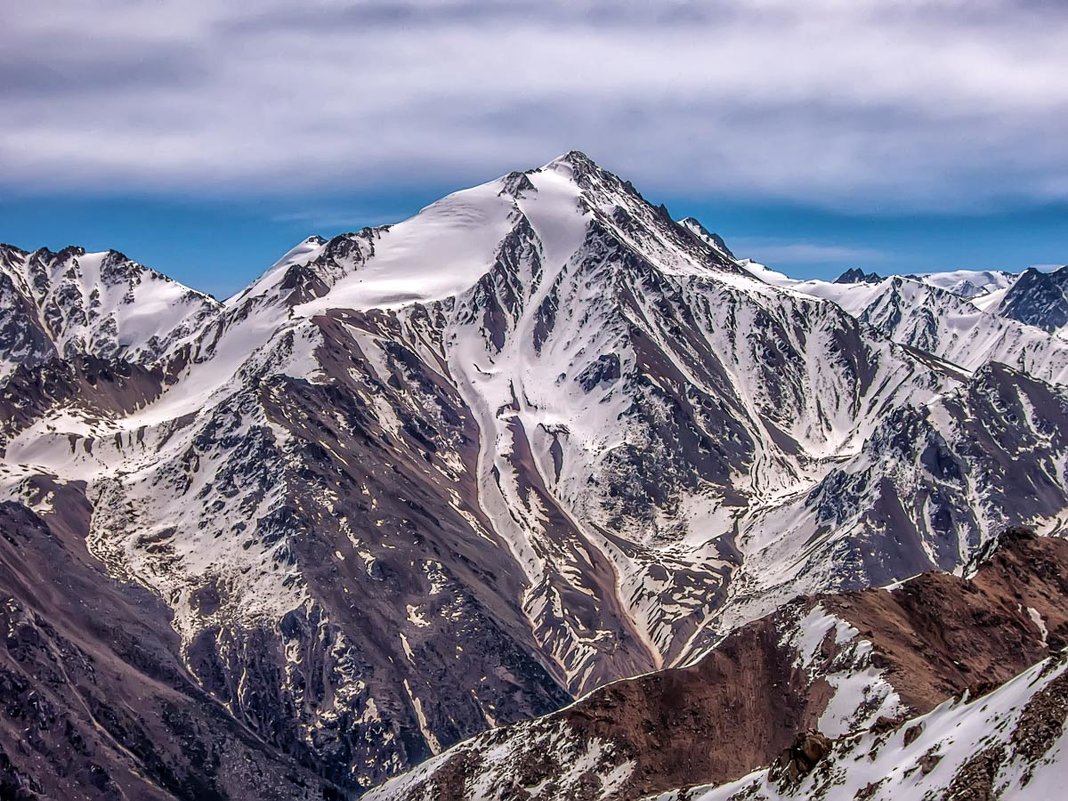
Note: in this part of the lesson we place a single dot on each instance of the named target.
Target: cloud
(778, 252)
(340, 217)
(853, 104)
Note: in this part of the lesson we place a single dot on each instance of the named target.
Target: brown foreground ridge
(745, 704)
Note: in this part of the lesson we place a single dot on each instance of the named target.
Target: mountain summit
(855, 275)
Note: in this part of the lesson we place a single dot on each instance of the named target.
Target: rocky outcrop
(1038, 298)
(797, 761)
(855, 275)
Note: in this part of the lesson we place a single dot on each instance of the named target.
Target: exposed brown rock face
(799, 759)
(741, 707)
(94, 699)
(975, 781)
(1006, 745)
(939, 634)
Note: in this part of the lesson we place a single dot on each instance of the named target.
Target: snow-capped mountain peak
(450, 245)
(969, 284)
(715, 240)
(429, 477)
(102, 304)
(855, 275)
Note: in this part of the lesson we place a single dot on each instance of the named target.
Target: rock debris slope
(426, 479)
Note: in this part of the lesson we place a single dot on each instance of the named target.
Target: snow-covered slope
(424, 479)
(99, 304)
(924, 312)
(969, 284)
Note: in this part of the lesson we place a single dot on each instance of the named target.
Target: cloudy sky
(204, 137)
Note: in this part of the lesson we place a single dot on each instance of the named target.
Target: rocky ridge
(859, 668)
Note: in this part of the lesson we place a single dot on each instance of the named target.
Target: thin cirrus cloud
(851, 104)
(330, 218)
(790, 253)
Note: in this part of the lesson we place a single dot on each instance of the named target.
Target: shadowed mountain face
(1038, 299)
(427, 479)
(855, 275)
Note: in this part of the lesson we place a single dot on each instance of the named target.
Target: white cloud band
(846, 103)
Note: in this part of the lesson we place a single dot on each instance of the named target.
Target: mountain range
(439, 480)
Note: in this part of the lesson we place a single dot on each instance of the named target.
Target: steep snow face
(440, 252)
(1009, 744)
(101, 304)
